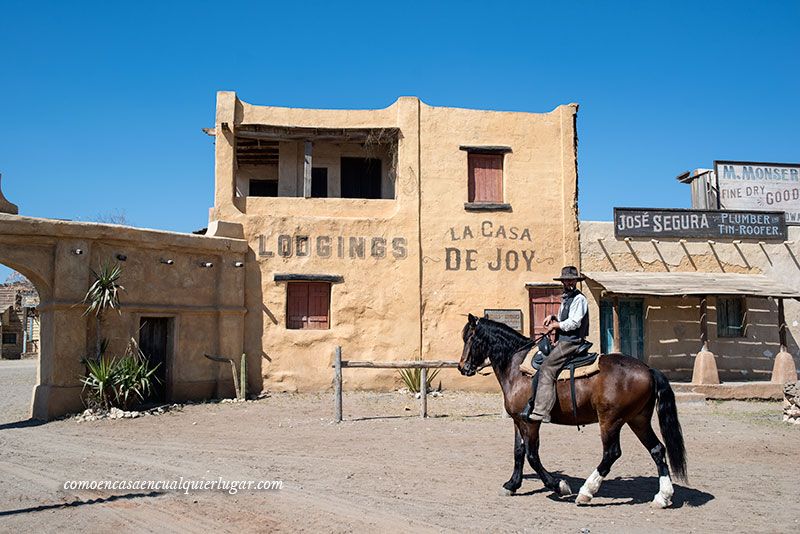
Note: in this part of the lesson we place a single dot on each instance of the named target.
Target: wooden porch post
(307, 161)
(784, 369)
(704, 323)
(617, 346)
(705, 365)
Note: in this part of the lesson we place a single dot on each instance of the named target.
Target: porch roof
(680, 284)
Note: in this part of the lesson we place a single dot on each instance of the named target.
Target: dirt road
(384, 469)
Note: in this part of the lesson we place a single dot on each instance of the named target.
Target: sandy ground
(382, 469)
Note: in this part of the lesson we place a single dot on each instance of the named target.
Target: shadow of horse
(635, 490)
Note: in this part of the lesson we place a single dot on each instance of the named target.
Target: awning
(679, 284)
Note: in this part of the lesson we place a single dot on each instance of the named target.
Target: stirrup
(526, 413)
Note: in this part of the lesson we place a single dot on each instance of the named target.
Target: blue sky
(102, 102)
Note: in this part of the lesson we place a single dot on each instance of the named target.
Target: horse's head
(471, 361)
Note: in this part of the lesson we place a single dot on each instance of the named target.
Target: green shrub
(413, 377)
(119, 382)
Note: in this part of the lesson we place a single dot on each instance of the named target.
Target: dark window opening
(319, 182)
(308, 305)
(730, 317)
(485, 183)
(361, 178)
(263, 188)
(9, 338)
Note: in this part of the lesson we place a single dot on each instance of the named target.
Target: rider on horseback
(571, 327)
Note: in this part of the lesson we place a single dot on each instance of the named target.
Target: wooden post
(307, 169)
(615, 319)
(704, 322)
(423, 392)
(337, 383)
(781, 326)
(783, 369)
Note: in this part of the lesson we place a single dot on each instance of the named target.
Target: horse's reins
(531, 343)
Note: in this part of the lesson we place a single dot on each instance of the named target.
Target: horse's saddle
(584, 364)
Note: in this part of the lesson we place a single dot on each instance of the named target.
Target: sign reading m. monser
(653, 222)
(745, 185)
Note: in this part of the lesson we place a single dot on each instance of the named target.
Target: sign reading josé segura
(759, 186)
(716, 224)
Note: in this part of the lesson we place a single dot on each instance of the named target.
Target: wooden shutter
(544, 301)
(319, 300)
(296, 305)
(485, 178)
(308, 305)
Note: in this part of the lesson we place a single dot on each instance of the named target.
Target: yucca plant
(413, 377)
(99, 380)
(103, 295)
(134, 378)
(119, 382)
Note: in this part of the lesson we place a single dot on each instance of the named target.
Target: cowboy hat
(570, 272)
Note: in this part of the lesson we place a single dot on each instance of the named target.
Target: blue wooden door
(631, 327)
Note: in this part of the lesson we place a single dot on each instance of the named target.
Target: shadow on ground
(73, 504)
(635, 490)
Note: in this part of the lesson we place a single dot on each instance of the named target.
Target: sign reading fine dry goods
(645, 222)
(512, 318)
(759, 186)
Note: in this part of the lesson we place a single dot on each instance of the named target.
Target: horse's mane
(495, 339)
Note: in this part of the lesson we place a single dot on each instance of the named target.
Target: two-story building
(379, 230)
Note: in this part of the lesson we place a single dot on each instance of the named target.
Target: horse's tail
(670, 426)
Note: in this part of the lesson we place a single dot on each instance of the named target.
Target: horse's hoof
(659, 502)
(506, 492)
(583, 499)
(563, 488)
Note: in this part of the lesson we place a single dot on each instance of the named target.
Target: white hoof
(582, 499)
(660, 502)
(563, 488)
(506, 492)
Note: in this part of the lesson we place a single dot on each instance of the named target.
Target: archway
(20, 335)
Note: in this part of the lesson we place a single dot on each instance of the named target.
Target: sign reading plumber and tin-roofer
(716, 224)
(759, 186)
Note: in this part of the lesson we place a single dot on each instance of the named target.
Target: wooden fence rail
(423, 365)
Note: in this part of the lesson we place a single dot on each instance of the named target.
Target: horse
(623, 391)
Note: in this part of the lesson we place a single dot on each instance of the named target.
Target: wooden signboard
(748, 185)
(710, 224)
(512, 318)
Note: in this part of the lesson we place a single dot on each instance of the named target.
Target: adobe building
(379, 230)
(708, 295)
(19, 321)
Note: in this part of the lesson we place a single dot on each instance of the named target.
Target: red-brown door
(544, 302)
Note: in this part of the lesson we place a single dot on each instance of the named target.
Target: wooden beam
(409, 364)
(423, 392)
(309, 148)
(617, 346)
(337, 384)
(782, 326)
(704, 322)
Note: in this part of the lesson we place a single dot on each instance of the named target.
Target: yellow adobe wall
(472, 261)
(206, 304)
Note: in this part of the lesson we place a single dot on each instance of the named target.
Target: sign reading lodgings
(747, 185)
(646, 222)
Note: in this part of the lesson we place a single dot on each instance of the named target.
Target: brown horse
(624, 391)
